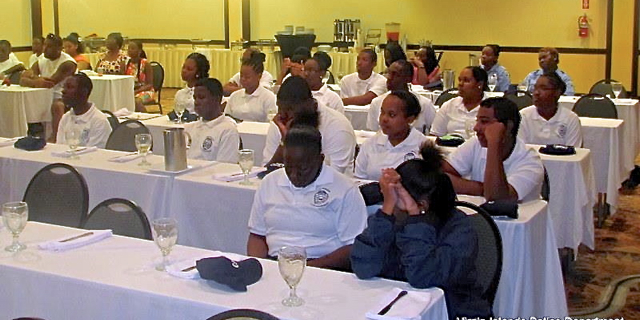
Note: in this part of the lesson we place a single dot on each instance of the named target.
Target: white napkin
(79, 241)
(126, 158)
(236, 176)
(409, 307)
(69, 153)
(4, 142)
(122, 112)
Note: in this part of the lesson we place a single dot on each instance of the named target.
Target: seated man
(84, 116)
(360, 87)
(548, 59)
(9, 63)
(399, 75)
(50, 71)
(214, 137)
(296, 105)
(495, 163)
(306, 204)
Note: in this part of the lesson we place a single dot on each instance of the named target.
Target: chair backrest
(122, 216)
(123, 137)
(57, 194)
(445, 96)
(489, 259)
(595, 106)
(243, 314)
(522, 99)
(545, 192)
(604, 88)
(158, 75)
(113, 120)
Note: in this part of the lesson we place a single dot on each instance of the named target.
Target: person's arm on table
(30, 78)
(338, 259)
(64, 70)
(362, 100)
(257, 246)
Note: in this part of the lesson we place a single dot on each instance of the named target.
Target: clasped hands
(395, 195)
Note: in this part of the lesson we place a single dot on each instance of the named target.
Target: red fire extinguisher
(583, 26)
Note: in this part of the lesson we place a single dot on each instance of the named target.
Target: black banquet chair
(522, 99)
(595, 105)
(243, 314)
(113, 120)
(489, 260)
(158, 82)
(445, 96)
(123, 137)
(57, 194)
(604, 88)
(122, 216)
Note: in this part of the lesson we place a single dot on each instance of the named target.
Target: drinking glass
(617, 88)
(15, 215)
(522, 87)
(493, 81)
(179, 110)
(291, 262)
(165, 234)
(143, 144)
(245, 160)
(72, 136)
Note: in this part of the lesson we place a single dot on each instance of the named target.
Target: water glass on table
(245, 160)
(143, 144)
(291, 262)
(493, 81)
(179, 110)
(14, 217)
(616, 87)
(165, 235)
(72, 135)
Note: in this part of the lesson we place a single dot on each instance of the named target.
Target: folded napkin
(126, 157)
(236, 176)
(8, 141)
(69, 153)
(122, 112)
(76, 241)
(409, 307)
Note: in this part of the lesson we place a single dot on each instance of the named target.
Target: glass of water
(72, 136)
(291, 262)
(165, 235)
(493, 81)
(245, 160)
(15, 216)
(143, 144)
(617, 89)
(179, 108)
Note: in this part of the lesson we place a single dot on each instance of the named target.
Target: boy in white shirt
(360, 87)
(495, 163)
(83, 116)
(214, 137)
(9, 63)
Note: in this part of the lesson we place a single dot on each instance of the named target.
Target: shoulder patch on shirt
(321, 197)
(207, 143)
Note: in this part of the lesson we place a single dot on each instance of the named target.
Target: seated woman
(398, 141)
(235, 84)
(114, 61)
(293, 66)
(252, 102)
(425, 67)
(214, 137)
(74, 47)
(195, 67)
(314, 71)
(458, 115)
(306, 204)
(546, 123)
(435, 246)
(138, 67)
(392, 53)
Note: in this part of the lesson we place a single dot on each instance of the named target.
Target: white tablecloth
(115, 279)
(22, 105)
(215, 214)
(112, 92)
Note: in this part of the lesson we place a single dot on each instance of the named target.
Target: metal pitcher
(175, 149)
(448, 79)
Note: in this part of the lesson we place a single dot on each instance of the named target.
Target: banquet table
(213, 214)
(115, 279)
(112, 92)
(22, 105)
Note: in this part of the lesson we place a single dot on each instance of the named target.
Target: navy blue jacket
(426, 254)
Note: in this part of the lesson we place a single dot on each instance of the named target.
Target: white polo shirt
(338, 140)
(352, 86)
(33, 59)
(49, 67)
(523, 167)
(265, 80)
(11, 62)
(185, 96)
(563, 128)
(321, 217)
(377, 153)
(452, 117)
(329, 98)
(215, 140)
(422, 122)
(252, 107)
(93, 123)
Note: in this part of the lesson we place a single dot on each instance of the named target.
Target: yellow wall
(622, 42)
(16, 22)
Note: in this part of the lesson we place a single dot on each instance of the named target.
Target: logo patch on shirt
(562, 130)
(207, 144)
(321, 197)
(409, 156)
(84, 137)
